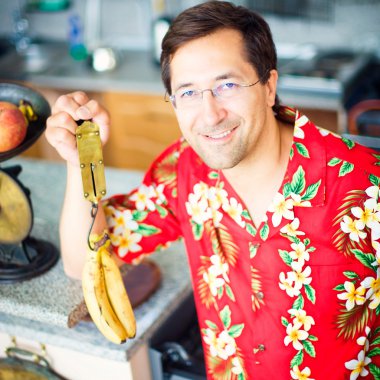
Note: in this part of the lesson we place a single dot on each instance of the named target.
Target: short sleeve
(144, 220)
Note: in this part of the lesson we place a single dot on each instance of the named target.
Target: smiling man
(218, 122)
(280, 218)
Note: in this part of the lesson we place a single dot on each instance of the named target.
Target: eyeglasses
(189, 98)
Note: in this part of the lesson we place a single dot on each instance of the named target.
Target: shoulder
(342, 150)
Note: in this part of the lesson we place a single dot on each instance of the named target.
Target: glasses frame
(172, 100)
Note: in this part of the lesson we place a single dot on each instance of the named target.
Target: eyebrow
(219, 77)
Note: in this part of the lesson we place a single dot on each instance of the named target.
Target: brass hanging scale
(91, 161)
(92, 166)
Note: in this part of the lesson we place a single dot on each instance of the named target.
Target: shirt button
(261, 347)
(260, 295)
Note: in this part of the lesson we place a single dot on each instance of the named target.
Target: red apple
(13, 126)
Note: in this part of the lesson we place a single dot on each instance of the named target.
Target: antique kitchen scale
(21, 255)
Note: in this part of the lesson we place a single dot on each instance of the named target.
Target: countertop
(38, 308)
(135, 71)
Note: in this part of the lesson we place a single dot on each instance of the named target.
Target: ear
(271, 87)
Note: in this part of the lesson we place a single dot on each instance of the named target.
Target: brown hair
(206, 18)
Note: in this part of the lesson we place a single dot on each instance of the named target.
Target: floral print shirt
(297, 297)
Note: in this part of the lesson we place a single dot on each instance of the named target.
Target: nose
(212, 111)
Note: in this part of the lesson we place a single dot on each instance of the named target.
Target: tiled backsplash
(126, 23)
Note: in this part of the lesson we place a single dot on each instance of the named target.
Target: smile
(220, 135)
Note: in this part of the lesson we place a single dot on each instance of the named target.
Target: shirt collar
(308, 153)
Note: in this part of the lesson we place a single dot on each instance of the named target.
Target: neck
(269, 159)
(258, 179)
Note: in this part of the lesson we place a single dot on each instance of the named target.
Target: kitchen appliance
(176, 351)
(21, 256)
(325, 71)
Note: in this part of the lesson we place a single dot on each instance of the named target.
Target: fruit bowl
(13, 93)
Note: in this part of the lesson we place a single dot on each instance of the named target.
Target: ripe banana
(104, 293)
(26, 108)
(117, 294)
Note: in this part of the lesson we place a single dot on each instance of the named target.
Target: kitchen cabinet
(143, 126)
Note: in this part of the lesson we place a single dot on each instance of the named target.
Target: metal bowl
(13, 93)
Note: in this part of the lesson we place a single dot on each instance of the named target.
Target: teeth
(220, 136)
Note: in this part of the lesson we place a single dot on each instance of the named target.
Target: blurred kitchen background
(329, 53)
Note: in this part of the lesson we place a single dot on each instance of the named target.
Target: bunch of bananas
(104, 293)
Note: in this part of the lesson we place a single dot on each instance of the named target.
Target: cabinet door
(142, 126)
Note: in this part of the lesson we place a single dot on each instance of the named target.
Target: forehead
(206, 58)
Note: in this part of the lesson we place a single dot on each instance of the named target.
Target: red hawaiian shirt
(297, 297)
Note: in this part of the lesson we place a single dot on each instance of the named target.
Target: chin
(218, 165)
(219, 160)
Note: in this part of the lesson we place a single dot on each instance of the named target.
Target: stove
(324, 72)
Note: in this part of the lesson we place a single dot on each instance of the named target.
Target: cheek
(185, 123)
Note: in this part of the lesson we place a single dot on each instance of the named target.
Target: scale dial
(16, 214)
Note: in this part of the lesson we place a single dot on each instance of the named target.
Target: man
(280, 218)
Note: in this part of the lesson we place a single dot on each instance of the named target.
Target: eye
(227, 89)
(188, 93)
(228, 86)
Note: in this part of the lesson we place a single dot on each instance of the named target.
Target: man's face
(223, 132)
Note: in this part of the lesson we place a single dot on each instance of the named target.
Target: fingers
(63, 138)
(98, 115)
(79, 106)
(56, 134)
(70, 103)
(61, 125)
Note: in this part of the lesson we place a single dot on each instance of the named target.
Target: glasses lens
(188, 98)
(227, 90)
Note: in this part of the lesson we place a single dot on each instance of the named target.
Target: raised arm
(76, 216)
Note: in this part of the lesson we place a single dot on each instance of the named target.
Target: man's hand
(61, 125)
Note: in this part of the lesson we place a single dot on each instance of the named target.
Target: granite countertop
(38, 308)
(135, 72)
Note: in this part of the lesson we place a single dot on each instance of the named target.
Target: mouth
(220, 135)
